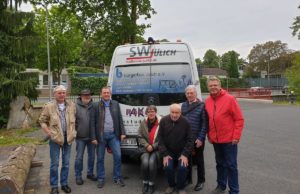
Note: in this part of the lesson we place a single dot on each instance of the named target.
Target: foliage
(296, 26)
(111, 23)
(225, 83)
(203, 84)
(211, 59)
(230, 62)
(90, 55)
(92, 83)
(271, 57)
(79, 83)
(78, 69)
(16, 41)
(293, 73)
(65, 39)
(198, 61)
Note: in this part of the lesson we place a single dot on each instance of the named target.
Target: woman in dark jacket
(150, 160)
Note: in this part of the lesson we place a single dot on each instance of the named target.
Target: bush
(92, 83)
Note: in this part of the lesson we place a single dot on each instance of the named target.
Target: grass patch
(9, 137)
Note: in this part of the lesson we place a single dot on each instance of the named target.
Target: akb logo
(145, 52)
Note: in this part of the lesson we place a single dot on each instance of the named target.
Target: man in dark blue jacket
(107, 129)
(194, 111)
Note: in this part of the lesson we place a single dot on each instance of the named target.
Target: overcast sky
(224, 25)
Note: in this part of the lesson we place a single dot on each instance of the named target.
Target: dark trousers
(149, 164)
(175, 168)
(227, 170)
(199, 157)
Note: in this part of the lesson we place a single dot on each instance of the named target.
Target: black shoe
(119, 182)
(54, 190)
(92, 177)
(79, 181)
(145, 188)
(100, 184)
(151, 189)
(199, 186)
(66, 189)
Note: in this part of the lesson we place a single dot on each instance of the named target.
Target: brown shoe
(169, 190)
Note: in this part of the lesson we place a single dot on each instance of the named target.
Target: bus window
(159, 84)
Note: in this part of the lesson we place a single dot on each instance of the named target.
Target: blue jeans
(114, 143)
(54, 156)
(175, 168)
(227, 170)
(80, 147)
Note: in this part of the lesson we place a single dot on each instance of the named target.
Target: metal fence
(274, 83)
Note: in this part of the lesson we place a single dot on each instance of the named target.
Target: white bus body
(144, 74)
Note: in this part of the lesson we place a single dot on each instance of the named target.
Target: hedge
(226, 83)
(80, 83)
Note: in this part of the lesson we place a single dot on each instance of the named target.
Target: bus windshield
(158, 84)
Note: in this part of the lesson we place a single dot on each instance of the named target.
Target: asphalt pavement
(268, 158)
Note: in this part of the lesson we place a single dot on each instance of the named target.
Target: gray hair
(175, 106)
(191, 87)
(213, 78)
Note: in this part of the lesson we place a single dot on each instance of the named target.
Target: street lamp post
(48, 54)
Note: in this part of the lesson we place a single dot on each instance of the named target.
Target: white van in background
(145, 74)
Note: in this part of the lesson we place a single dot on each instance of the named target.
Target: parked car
(259, 91)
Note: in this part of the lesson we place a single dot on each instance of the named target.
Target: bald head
(175, 111)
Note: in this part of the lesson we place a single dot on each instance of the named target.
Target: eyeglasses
(151, 111)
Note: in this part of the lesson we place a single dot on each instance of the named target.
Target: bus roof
(152, 53)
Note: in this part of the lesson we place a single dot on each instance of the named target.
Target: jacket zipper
(214, 114)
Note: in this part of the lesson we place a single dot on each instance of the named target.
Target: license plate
(129, 141)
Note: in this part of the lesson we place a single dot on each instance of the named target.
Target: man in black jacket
(107, 129)
(175, 145)
(83, 111)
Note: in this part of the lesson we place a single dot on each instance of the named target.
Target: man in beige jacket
(58, 122)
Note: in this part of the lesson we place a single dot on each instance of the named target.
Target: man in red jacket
(225, 128)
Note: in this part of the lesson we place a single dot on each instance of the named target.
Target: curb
(255, 100)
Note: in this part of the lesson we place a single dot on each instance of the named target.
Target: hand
(95, 142)
(235, 141)
(47, 132)
(198, 143)
(123, 137)
(166, 160)
(149, 148)
(184, 160)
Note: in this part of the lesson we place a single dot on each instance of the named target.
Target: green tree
(111, 23)
(268, 56)
(293, 72)
(211, 59)
(230, 62)
(198, 61)
(65, 39)
(296, 26)
(16, 36)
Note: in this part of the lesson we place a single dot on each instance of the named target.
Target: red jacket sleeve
(238, 120)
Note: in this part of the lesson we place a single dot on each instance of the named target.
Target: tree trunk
(133, 19)
(13, 174)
